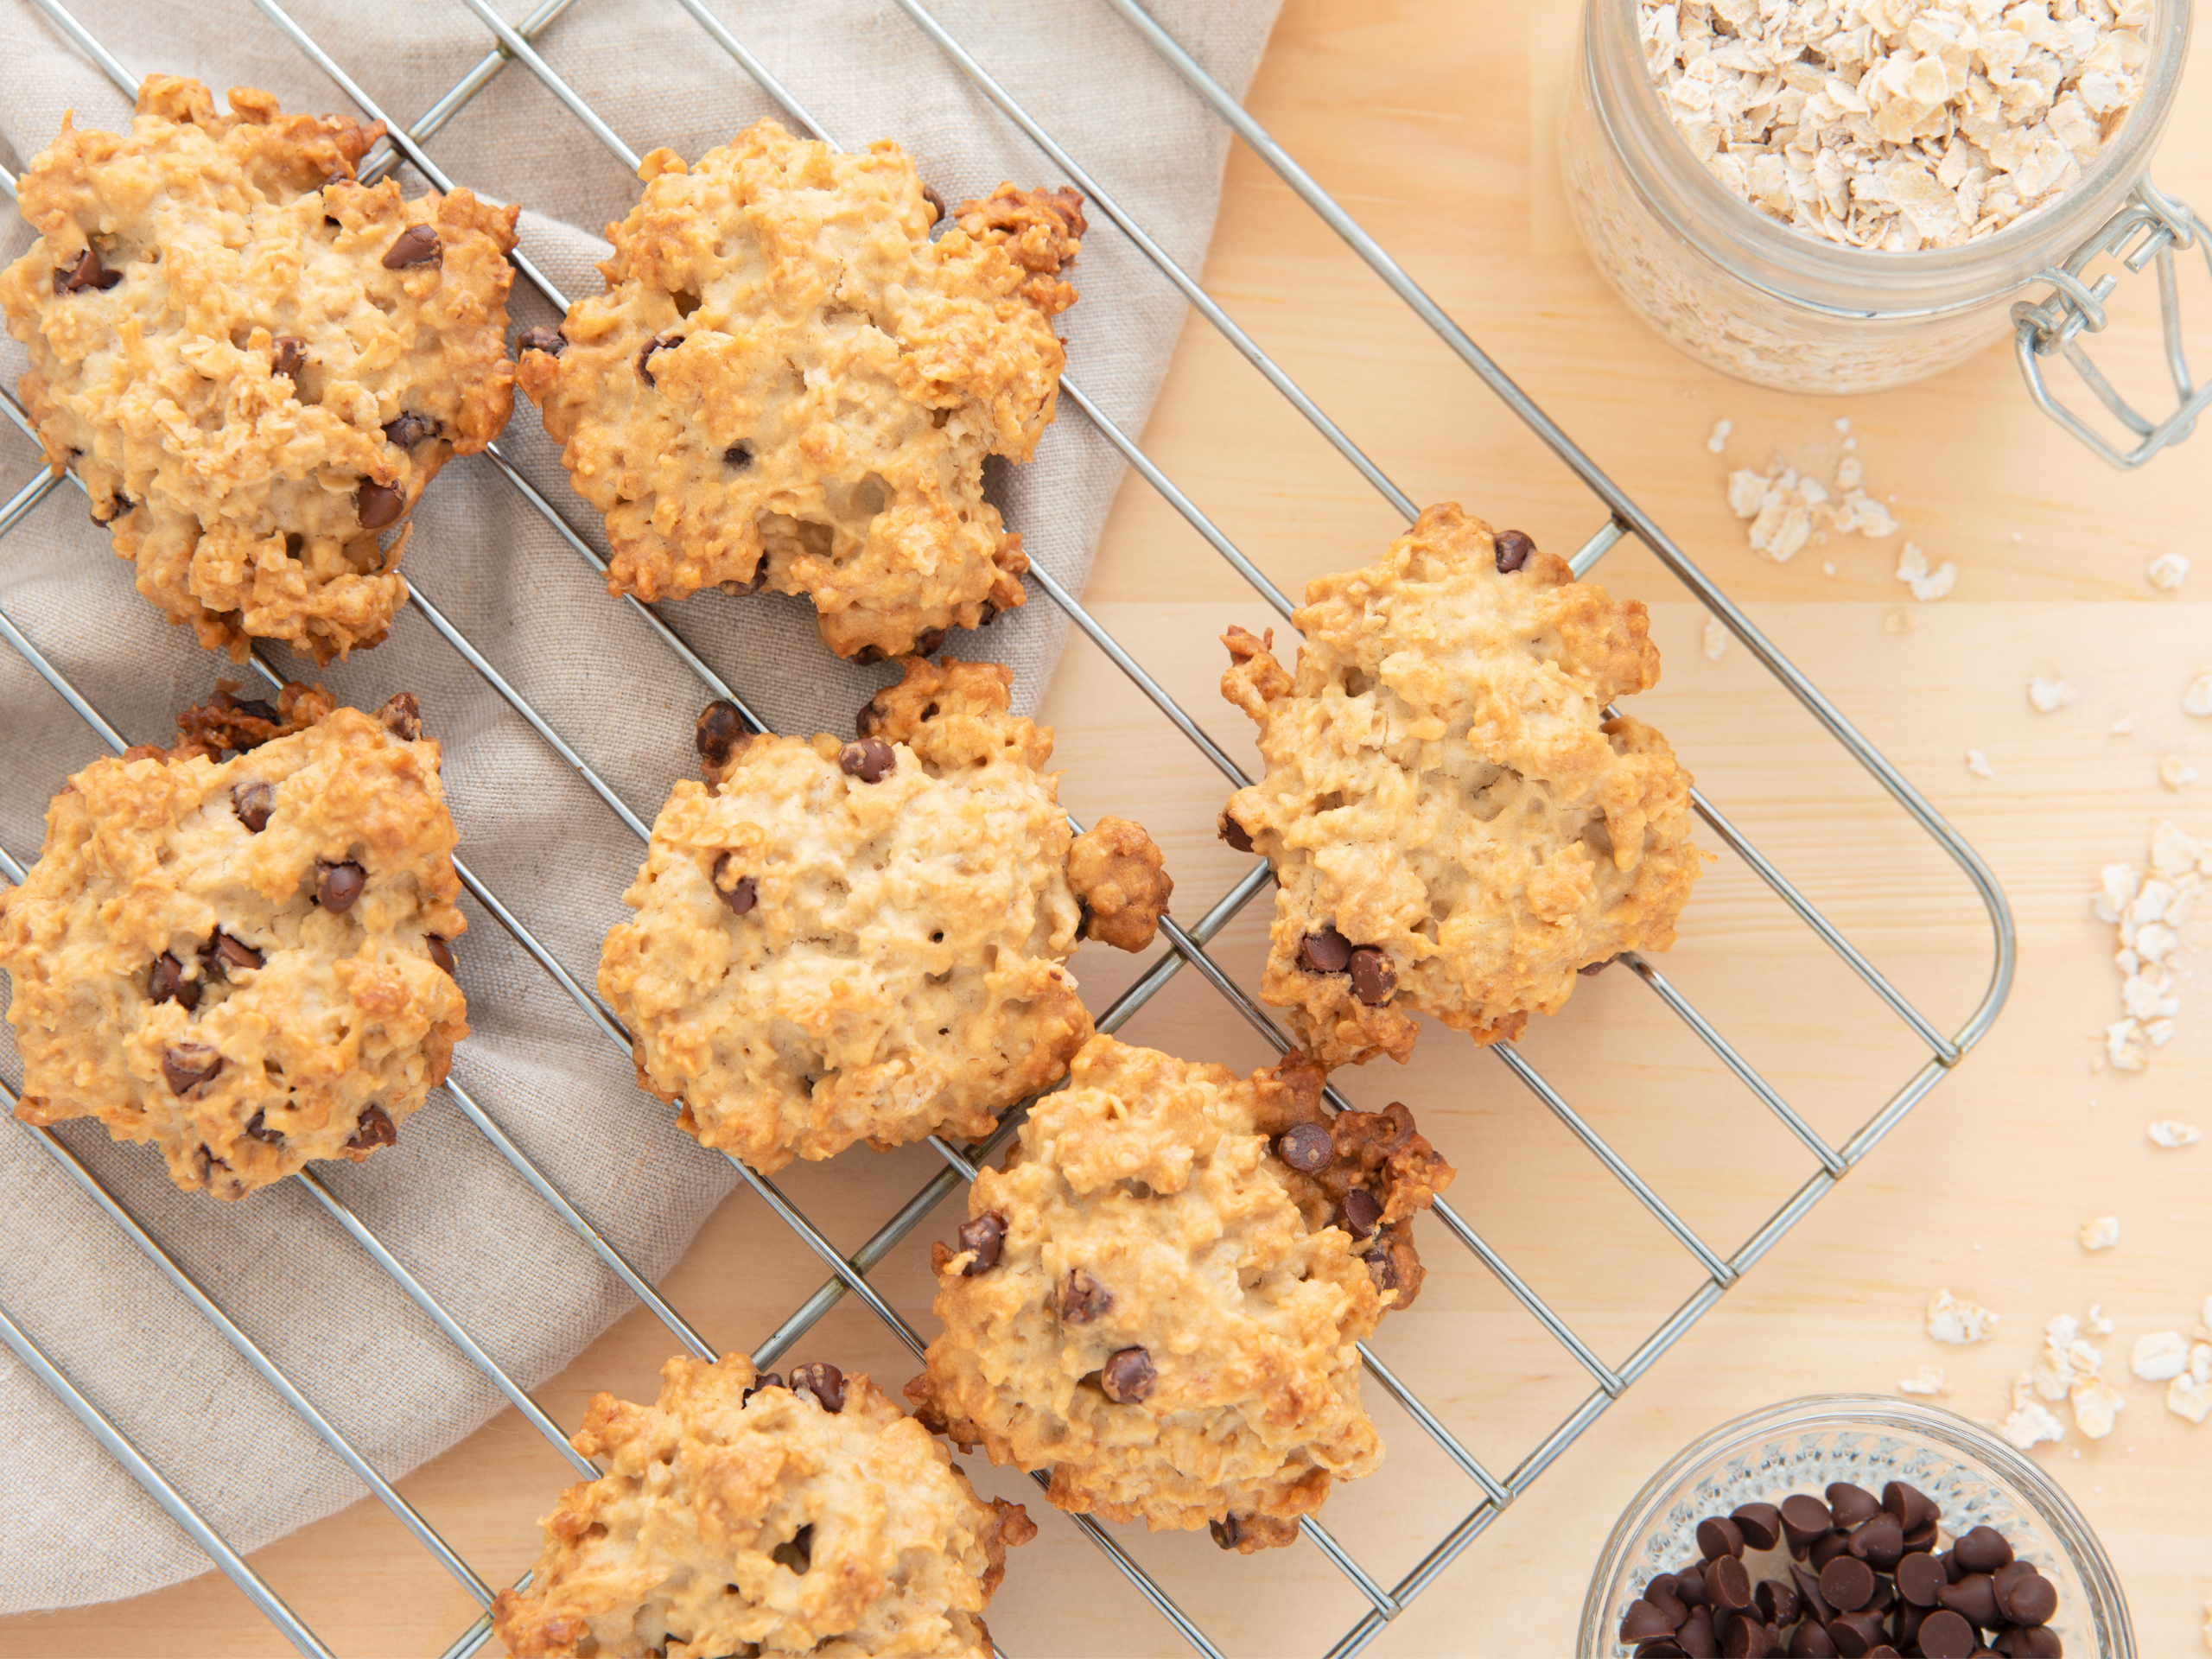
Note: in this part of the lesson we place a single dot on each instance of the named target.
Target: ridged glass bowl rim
(1967, 1440)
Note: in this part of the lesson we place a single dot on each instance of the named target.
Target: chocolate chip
(824, 1381)
(417, 244)
(1127, 1376)
(87, 273)
(189, 1065)
(1945, 1635)
(116, 506)
(1851, 1505)
(378, 505)
(1778, 1602)
(1226, 1531)
(1717, 1538)
(1695, 1638)
(1513, 551)
(739, 895)
(985, 1236)
(655, 344)
(1920, 1577)
(166, 983)
(256, 709)
(936, 203)
(402, 716)
(1760, 1523)
(1233, 833)
(1083, 1298)
(1689, 1585)
(1745, 1640)
(253, 802)
(1846, 1584)
(868, 759)
(1306, 1148)
(2027, 1599)
(2030, 1642)
(1812, 1641)
(928, 640)
(337, 885)
(1982, 1549)
(1660, 1592)
(1326, 952)
(738, 457)
(440, 953)
(765, 1380)
(1643, 1621)
(1591, 969)
(1727, 1585)
(1360, 1212)
(796, 1552)
(1383, 1269)
(233, 954)
(1879, 1542)
(1912, 1507)
(409, 429)
(1373, 981)
(1828, 1547)
(720, 733)
(267, 1137)
(289, 356)
(1856, 1634)
(375, 1128)
(1816, 1609)
(551, 341)
(1804, 1518)
(1973, 1596)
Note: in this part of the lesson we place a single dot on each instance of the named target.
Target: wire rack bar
(848, 1276)
(117, 1446)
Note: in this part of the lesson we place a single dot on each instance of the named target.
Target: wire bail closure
(2156, 228)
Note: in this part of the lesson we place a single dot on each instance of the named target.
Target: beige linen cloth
(77, 1528)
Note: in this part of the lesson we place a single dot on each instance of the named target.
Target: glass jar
(1784, 308)
(1869, 1440)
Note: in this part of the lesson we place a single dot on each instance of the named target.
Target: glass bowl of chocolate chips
(1856, 1525)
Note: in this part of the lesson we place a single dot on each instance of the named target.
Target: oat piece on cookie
(1155, 1302)
(1455, 824)
(788, 385)
(254, 363)
(742, 1514)
(246, 962)
(839, 942)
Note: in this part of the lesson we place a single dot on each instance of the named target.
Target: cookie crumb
(1716, 638)
(2100, 1234)
(1929, 1381)
(2048, 695)
(1978, 764)
(1959, 1323)
(2168, 571)
(2171, 1132)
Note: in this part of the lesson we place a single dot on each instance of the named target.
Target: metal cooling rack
(1489, 1492)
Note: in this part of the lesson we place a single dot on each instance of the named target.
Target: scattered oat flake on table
(2149, 909)
(1900, 621)
(1959, 1323)
(2098, 1324)
(2187, 1397)
(1716, 638)
(2160, 1357)
(1927, 585)
(1929, 1381)
(2096, 1403)
(2125, 725)
(1787, 507)
(2172, 1132)
(2176, 771)
(1718, 441)
(2100, 1234)
(2031, 1425)
(2169, 570)
(1978, 764)
(2050, 696)
(2197, 700)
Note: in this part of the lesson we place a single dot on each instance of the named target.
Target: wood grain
(1433, 122)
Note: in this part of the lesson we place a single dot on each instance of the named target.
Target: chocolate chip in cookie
(440, 953)
(409, 429)
(87, 272)
(1373, 981)
(985, 1236)
(337, 885)
(1360, 1211)
(287, 356)
(187, 1066)
(1326, 952)
(823, 1382)
(868, 759)
(253, 802)
(1513, 551)
(228, 953)
(418, 245)
(720, 733)
(1306, 1148)
(549, 340)
(739, 893)
(1127, 1376)
(378, 505)
(167, 983)
(1083, 1298)
(375, 1128)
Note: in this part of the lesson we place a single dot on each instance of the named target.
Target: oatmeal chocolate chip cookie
(254, 363)
(789, 385)
(1455, 825)
(838, 941)
(245, 962)
(741, 1515)
(1155, 1301)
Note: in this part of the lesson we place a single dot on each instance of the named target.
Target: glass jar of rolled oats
(1846, 196)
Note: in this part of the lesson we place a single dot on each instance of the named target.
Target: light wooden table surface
(1433, 122)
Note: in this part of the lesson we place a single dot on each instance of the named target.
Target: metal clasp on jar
(2149, 227)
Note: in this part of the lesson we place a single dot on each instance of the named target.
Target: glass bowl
(1867, 1438)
